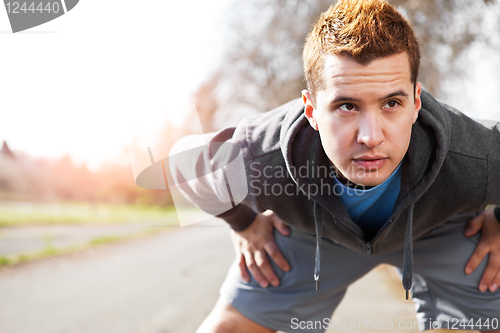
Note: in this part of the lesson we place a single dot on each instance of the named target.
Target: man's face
(364, 115)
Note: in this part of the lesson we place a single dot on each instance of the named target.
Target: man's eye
(347, 107)
(392, 104)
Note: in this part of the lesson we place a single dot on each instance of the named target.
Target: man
(367, 168)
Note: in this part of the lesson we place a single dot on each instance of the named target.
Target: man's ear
(309, 109)
(418, 101)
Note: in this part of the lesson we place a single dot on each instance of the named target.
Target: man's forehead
(343, 69)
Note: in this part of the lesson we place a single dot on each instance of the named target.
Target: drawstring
(318, 223)
(408, 253)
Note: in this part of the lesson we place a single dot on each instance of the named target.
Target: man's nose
(370, 131)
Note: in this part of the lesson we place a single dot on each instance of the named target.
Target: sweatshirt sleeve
(493, 188)
(209, 170)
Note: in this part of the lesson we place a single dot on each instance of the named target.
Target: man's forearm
(239, 217)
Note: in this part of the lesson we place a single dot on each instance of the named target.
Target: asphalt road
(31, 239)
(163, 283)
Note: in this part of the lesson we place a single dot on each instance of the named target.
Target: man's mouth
(370, 162)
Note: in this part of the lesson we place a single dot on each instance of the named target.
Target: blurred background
(75, 92)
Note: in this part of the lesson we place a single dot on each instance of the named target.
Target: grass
(22, 214)
(50, 250)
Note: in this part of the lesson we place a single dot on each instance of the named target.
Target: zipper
(382, 230)
(347, 228)
(368, 245)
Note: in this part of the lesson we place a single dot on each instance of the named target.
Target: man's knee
(224, 318)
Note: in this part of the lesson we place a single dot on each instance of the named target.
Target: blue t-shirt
(371, 208)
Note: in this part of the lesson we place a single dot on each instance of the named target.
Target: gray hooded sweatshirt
(452, 167)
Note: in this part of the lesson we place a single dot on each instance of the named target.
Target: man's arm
(209, 171)
(489, 226)
(212, 177)
(486, 222)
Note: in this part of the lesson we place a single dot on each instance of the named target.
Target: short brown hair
(361, 29)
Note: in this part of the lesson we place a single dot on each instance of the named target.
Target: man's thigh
(296, 304)
(445, 296)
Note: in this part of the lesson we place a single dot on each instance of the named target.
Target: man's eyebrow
(401, 93)
(344, 99)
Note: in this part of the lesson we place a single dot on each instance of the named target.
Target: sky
(85, 83)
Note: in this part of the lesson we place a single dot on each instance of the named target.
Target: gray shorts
(443, 293)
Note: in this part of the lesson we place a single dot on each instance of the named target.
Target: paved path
(163, 283)
(160, 284)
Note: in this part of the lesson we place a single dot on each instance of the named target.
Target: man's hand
(489, 244)
(255, 243)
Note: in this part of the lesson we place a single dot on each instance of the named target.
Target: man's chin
(370, 181)
(361, 177)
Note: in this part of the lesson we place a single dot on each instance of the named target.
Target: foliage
(39, 179)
